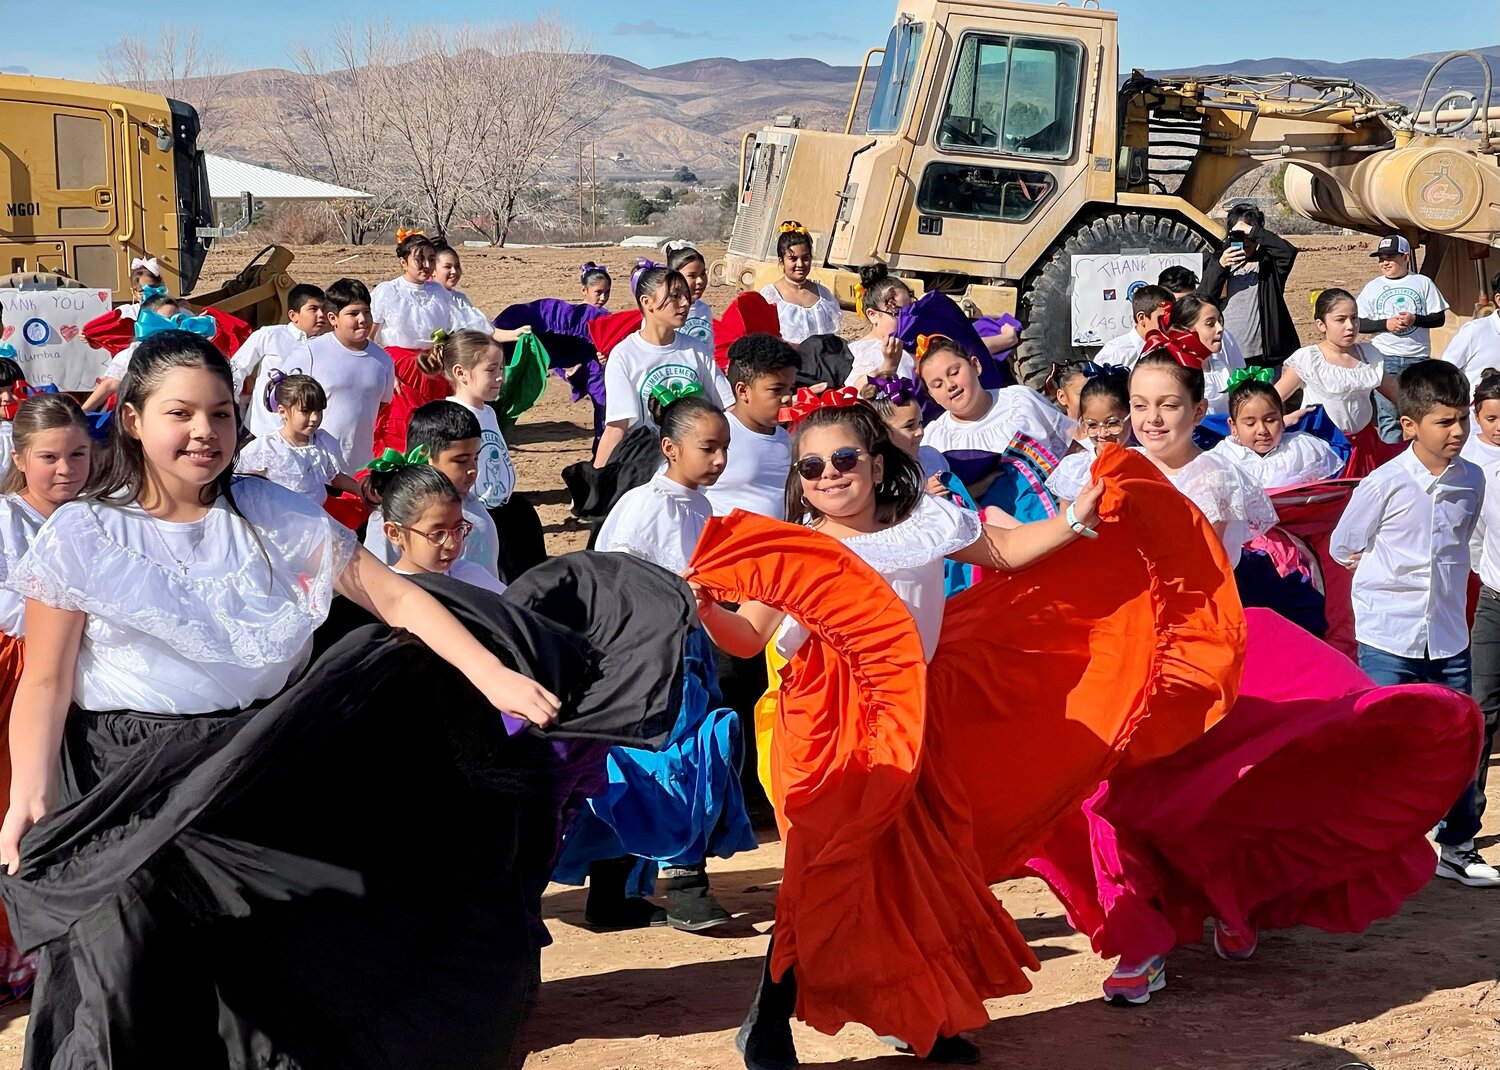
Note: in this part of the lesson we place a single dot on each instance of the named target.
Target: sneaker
(1231, 945)
(691, 907)
(1133, 984)
(624, 914)
(1464, 864)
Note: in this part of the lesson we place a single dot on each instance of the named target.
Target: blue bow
(7, 351)
(148, 292)
(1092, 370)
(99, 424)
(897, 389)
(148, 323)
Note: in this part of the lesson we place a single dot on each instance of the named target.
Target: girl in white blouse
(1340, 374)
(178, 595)
(52, 453)
(1261, 447)
(424, 521)
(804, 307)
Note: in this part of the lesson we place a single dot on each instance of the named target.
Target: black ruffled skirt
(346, 875)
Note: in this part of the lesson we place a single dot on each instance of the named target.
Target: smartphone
(1237, 246)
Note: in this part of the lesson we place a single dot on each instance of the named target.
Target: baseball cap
(1393, 243)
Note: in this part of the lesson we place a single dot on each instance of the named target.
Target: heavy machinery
(95, 176)
(1001, 143)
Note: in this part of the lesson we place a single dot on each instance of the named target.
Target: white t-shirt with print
(497, 475)
(357, 383)
(700, 325)
(636, 366)
(1476, 347)
(1383, 298)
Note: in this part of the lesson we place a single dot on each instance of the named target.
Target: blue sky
(39, 39)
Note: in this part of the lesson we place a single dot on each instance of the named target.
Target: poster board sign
(1103, 286)
(46, 329)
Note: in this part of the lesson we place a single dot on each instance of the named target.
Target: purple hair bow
(897, 389)
(274, 380)
(642, 265)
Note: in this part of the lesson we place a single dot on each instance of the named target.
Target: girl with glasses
(424, 522)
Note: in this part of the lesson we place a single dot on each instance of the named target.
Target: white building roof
(227, 179)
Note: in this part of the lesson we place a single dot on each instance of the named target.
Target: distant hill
(694, 113)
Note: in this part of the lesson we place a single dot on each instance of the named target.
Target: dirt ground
(1416, 992)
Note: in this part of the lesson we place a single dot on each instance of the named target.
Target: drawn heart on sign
(68, 331)
(6, 331)
(104, 295)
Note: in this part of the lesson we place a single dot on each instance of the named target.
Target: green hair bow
(666, 393)
(1251, 375)
(394, 460)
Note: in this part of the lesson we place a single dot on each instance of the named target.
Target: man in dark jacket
(1249, 278)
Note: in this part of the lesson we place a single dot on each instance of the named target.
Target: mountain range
(694, 113)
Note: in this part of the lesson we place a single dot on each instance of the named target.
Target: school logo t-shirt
(700, 324)
(636, 367)
(1383, 298)
(497, 475)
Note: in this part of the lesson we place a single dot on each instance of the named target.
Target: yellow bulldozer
(1001, 147)
(96, 176)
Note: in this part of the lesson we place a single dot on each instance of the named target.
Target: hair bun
(870, 274)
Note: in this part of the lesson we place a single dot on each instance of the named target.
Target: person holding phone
(1249, 277)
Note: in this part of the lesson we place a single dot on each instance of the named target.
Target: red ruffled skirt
(1308, 805)
(414, 388)
(17, 972)
(1369, 452)
(903, 789)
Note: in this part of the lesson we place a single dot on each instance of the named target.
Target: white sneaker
(1464, 864)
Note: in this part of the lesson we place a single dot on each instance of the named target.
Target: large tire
(1047, 300)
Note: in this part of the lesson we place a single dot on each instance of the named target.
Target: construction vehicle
(1000, 143)
(98, 176)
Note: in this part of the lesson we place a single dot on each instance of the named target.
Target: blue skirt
(676, 806)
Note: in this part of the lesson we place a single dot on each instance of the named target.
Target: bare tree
(177, 65)
(551, 91)
(333, 128)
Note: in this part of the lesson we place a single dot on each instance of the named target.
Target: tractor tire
(1047, 299)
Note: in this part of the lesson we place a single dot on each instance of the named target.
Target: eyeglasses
(443, 536)
(1112, 426)
(843, 459)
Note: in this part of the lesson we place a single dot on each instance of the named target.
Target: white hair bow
(677, 246)
(150, 263)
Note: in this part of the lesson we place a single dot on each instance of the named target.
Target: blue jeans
(1454, 672)
(1386, 420)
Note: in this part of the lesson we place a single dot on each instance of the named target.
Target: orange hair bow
(402, 233)
(808, 403)
(925, 342)
(1185, 347)
(791, 226)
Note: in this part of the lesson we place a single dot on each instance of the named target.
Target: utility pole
(594, 190)
(581, 218)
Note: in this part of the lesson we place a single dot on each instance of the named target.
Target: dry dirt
(1416, 992)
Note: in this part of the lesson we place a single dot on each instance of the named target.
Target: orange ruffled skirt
(903, 790)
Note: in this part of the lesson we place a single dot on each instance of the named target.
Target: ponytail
(461, 349)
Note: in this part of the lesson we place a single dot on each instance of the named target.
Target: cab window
(1013, 95)
(897, 69)
(1004, 193)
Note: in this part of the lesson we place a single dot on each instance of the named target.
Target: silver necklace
(181, 564)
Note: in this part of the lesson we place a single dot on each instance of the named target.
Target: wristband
(1078, 528)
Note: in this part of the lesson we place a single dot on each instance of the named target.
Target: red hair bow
(808, 403)
(1185, 347)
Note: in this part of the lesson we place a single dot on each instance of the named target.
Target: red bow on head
(1185, 347)
(807, 403)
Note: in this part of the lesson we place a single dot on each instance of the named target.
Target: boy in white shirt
(1151, 308)
(282, 348)
(1476, 346)
(1400, 309)
(1406, 535)
(763, 373)
(357, 375)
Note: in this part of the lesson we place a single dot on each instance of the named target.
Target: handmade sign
(1104, 285)
(46, 328)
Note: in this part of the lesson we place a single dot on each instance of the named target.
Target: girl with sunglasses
(423, 520)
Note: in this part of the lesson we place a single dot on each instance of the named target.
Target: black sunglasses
(843, 459)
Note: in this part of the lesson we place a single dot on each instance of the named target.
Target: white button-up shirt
(1476, 347)
(281, 348)
(1413, 530)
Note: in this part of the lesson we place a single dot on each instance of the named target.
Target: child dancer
(446, 436)
(281, 349)
(407, 310)
(595, 282)
(1261, 447)
(423, 519)
(895, 402)
(448, 271)
(1166, 403)
(881, 296)
(1104, 411)
(1339, 374)
(299, 455)
(1066, 382)
(145, 283)
(1483, 450)
(762, 373)
(12, 383)
(859, 935)
(685, 259)
(660, 522)
(804, 307)
(1201, 315)
(656, 355)
(52, 454)
(165, 307)
(978, 424)
(1483, 447)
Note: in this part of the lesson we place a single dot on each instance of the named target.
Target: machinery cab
(982, 142)
(96, 176)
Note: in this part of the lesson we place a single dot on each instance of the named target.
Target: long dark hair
(124, 467)
(896, 496)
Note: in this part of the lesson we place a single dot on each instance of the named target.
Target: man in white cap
(1399, 308)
